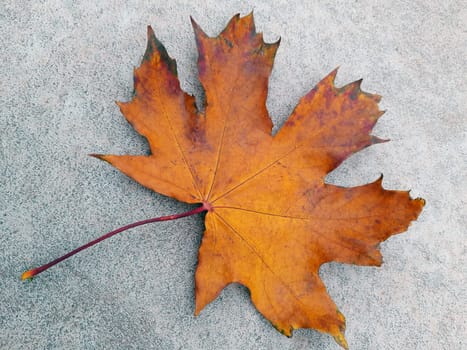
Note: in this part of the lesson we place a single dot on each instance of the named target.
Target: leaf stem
(33, 272)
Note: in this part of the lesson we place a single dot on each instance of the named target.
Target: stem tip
(28, 274)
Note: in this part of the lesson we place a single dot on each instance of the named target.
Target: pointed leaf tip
(99, 156)
(95, 155)
(239, 26)
(155, 48)
(376, 140)
(193, 22)
(380, 113)
(249, 21)
(358, 83)
(340, 339)
(150, 32)
(353, 88)
(199, 32)
(332, 76)
(379, 180)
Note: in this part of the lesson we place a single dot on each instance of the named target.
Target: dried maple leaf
(271, 219)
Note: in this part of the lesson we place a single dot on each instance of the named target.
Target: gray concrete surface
(64, 63)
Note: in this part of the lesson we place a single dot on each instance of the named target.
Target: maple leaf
(271, 220)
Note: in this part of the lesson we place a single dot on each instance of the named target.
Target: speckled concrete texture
(64, 63)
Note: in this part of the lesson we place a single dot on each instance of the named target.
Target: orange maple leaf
(271, 220)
